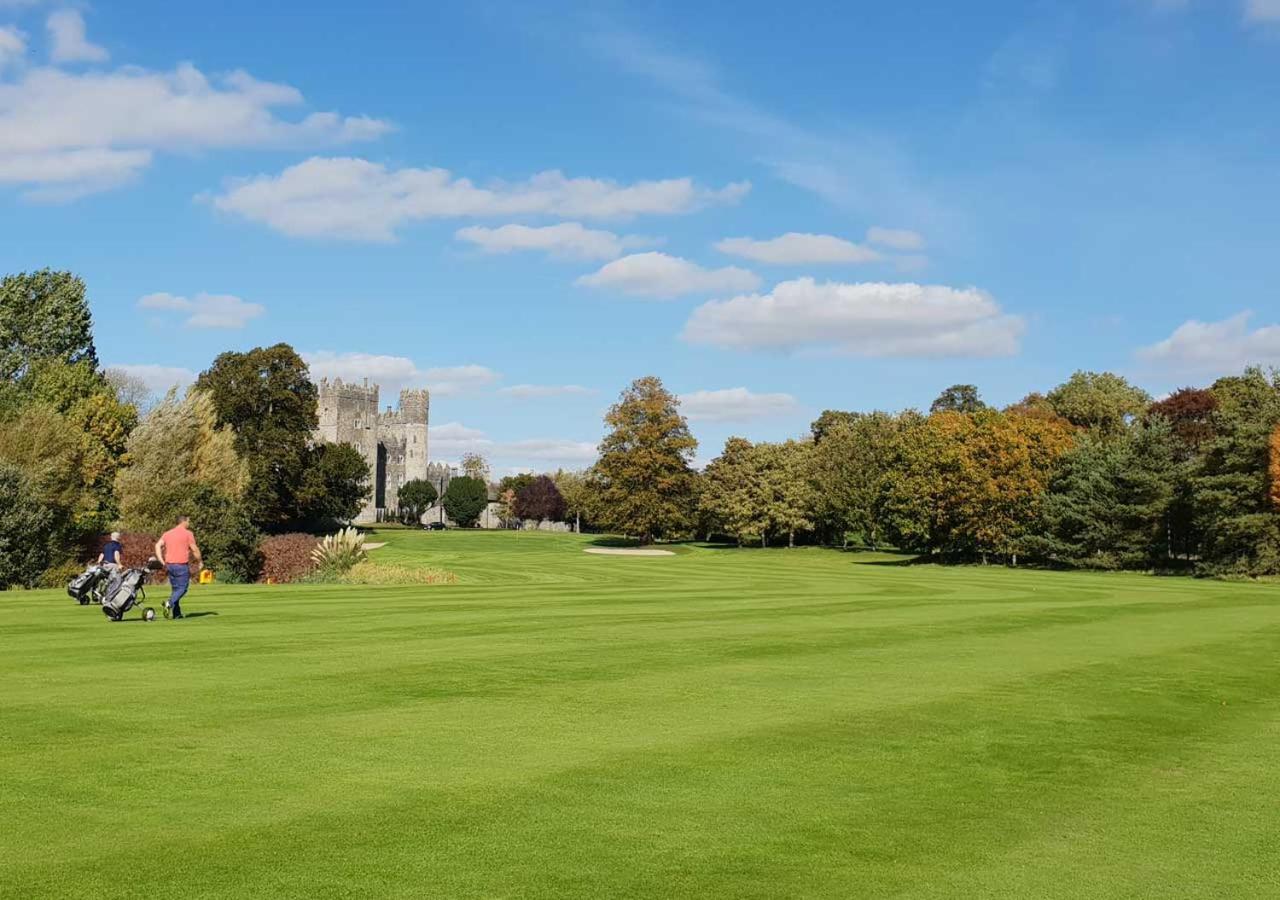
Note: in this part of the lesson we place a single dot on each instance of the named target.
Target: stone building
(392, 442)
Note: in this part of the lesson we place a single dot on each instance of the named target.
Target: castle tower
(415, 412)
(348, 414)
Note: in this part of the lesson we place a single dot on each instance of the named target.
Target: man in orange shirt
(175, 549)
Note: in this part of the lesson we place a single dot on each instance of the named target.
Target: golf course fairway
(714, 723)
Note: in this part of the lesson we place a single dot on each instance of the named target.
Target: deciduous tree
(1099, 401)
(26, 529)
(646, 482)
(43, 315)
(960, 398)
(415, 498)
(540, 500)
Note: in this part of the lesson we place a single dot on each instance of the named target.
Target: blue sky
(776, 208)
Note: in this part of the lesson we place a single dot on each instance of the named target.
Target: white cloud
(361, 200)
(734, 405)
(864, 319)
(538, 391)
(452, 440)
(205, 310)
(158, 379)
(1263, 11)
(895, 238)
(65, 134)
(446, 380)
(13, 46)
(1215, 348)
(567, 240)
(659, 275)
(70, 42)
(794, 248)
(392, 373)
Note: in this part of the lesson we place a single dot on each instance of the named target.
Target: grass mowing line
(723, 723)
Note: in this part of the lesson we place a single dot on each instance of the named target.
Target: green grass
(720, 723)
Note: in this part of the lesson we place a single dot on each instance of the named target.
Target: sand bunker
(624, 551)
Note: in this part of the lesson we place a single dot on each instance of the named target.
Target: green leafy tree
(1099, 401)
(178, 448)
(49, 452)
(789, 496)
(960, 398)
(729, 492)
(335, 485)
(226, 534)
(465, 499)
(26, 529)
(266, 397)
(43, 315)
(646, 482)
(415, 498)
(828, 421)
(851, 472)
(579, 493)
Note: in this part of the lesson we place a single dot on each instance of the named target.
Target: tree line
(1092, 474)
(77, 457)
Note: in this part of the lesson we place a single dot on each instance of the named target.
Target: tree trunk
(577, 523)
(791, 539)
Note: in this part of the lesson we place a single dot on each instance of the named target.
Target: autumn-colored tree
(540, 500)
(1190, 413)
(1275, 467)
(646, 483)
(474, 465)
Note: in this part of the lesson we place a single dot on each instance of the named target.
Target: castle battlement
(393, 443)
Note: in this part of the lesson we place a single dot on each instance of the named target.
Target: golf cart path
(623, 551)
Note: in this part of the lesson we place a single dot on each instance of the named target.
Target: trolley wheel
(148, 615)
(84, 601)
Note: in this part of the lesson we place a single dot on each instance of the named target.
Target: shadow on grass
(198, 615)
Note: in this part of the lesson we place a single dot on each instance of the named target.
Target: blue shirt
(111, 552)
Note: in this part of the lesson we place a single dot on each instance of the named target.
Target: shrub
(57, 576)
(226, 535)
(287, 557)
(26, 530)
(337, 553)
(139, 546)
(373, 573)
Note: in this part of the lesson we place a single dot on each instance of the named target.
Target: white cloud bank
(357, 199)
(66, 134)
(13, 46)
(205, 310)
(393, 373)
(453, 440)
(865, 319)
(567, 240)
(660, 275)
(1215, 348)
(734, 405)
(796, 248)
(69, 40)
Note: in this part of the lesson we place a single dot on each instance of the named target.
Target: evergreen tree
(334, 486)
(465, 499)
(646, 483)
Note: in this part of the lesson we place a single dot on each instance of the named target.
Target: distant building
(392, 442)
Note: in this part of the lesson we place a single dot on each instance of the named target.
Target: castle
(392, 442)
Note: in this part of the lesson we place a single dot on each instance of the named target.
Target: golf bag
(87, 587)
(123, 589)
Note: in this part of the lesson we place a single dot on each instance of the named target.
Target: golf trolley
(89, 586)
(116, 590)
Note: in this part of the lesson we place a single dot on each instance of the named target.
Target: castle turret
(415, 412)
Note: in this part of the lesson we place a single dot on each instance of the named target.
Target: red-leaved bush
(287, 557)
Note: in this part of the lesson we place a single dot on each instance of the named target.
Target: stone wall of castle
(393, 442)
